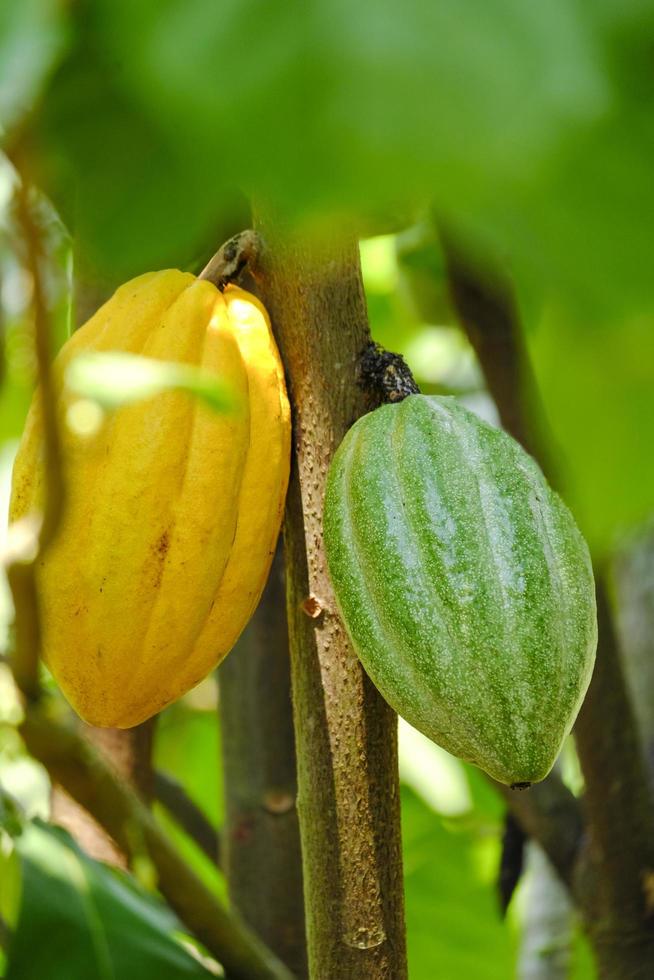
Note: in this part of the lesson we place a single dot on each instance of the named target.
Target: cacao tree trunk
(261, 841)
(346, 736)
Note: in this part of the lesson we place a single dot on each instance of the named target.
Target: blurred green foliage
(528, 128)
(81, 919)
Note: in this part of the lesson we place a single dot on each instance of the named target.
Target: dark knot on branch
(386, 375)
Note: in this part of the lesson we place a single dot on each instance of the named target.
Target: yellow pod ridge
(172, 510)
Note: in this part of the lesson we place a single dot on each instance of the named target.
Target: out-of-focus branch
(22, 573)
(549, 814)
(188, 815)
(54, 477)
(74, 764)
(263, 860)
(547, 936)
(487, 310)
(633, 572)
(129, 752)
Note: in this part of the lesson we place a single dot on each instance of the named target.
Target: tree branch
(88, 779)
(550, 814)
(188, 815)
(129, 753)
(489, 317)
(263, 860)
(346, 736)
(21, 573)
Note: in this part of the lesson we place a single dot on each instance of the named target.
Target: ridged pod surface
(463, 582)
(172, 510)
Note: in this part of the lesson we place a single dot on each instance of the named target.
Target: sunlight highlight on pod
(84, 417)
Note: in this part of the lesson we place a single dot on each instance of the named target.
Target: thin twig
(22, 574)
(549, 813)
(54, 479)
(188, 815)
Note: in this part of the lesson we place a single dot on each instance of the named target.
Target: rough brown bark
(615, 882)
(261, 840)
(613, 874)
(129, 753)
(346, 735)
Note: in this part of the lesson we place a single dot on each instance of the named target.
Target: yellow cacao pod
(172, 510)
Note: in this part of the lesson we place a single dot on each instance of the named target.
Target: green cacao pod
(464, 583)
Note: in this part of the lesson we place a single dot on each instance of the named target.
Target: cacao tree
(398, 259)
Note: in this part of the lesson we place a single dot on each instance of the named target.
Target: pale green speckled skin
(464, 583)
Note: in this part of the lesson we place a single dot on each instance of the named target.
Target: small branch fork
(60, 747)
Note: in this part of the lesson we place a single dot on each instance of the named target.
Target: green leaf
(325, 109)
(10, 893)
(135, 200)
(347, 121)
(32, 35)
(118, 379)
(597, 384)
(453, 923)
(10, 881)
(11, 815)
(97, 921)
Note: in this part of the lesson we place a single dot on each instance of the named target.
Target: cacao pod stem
(232, 258)
(511, 860)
